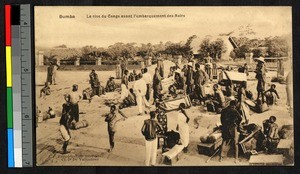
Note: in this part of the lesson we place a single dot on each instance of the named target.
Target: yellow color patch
(8, 67)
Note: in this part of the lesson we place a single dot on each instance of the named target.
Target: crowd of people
(189, 80)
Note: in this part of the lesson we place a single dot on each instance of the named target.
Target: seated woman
(110, 85)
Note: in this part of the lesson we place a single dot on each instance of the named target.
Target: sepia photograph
(164, 86)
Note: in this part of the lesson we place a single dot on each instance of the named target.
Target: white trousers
(151, 152)
(141, 101)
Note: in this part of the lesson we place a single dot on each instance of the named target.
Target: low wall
(87, 67)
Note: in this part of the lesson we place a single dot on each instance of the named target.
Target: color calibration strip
(9, 96)
(18, 80)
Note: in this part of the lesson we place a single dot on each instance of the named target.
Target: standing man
(160, 65)
(148, 80)
(230, 120)
(289, 91)
(157, 86)
(118, 71)
(261, 78)
(189, 78)
(95, 83)
(150, 130)
(111, 119)
(75, 97)
(199, 80)
(65, 122)
(208, 70)
(124, 64)
(50, 73)
(124, 79)
(140, 88)
(55, 68)
(183, 127)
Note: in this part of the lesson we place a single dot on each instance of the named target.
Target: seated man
(172, 70)
(45, 90)
(110, 85)
(271, 133)
(87, 94)
(131, 77)
(171, 139)
(178, 84)
(130, 100)
(271, 95)
(135, 75)
(218, 100)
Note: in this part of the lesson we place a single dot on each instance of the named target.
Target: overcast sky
(50, 30)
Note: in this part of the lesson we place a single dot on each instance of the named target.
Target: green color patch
(9, 108)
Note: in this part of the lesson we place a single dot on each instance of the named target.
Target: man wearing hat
(261, 77)
(75, 97)
(189, 78)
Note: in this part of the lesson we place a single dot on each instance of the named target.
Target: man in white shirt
(75, 97)
(148, 79)
(140, 89)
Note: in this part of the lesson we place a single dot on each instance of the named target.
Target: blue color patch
(10, 146)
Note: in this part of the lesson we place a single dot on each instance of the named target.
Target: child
(45, 90)
(271, 95)
(111, 119)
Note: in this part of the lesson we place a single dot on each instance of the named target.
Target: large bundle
(80, 124)
(235, 77)
(210, 138)
(173, 104)
(286, 132)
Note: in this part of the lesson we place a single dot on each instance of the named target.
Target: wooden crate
(209, 148)
(284, 146)
(266, 160)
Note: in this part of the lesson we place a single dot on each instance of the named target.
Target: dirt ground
(88, 146)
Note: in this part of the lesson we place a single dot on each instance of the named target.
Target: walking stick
(212, 155)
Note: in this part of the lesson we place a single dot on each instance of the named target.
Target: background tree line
(269, 47)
